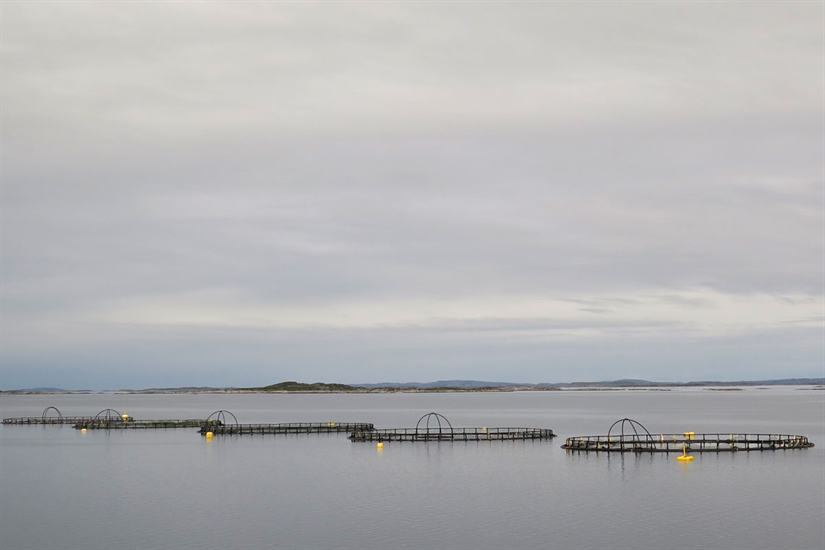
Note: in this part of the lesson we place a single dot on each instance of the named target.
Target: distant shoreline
(461, 386)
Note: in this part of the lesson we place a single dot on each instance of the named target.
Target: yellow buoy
(379, 445)
(685, 457)
(209, 436)
(83, 430)
(125, 417)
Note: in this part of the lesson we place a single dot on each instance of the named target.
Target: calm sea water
(61, 489)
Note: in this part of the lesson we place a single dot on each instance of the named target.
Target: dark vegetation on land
(452, 386)
(291, 385)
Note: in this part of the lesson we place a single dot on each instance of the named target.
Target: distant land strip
(447, 386)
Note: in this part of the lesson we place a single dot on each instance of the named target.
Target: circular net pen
(286, 428)
(110, 419)
(218, 419)
(51, 415)
(629, 436)
(104, 420)
(218, 424)
(435, 427)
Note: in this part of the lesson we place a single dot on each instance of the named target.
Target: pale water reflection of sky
(240, 193)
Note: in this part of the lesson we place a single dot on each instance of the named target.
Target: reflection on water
(171, 489)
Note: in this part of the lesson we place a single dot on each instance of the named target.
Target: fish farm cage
(435, 427)
(633, 437)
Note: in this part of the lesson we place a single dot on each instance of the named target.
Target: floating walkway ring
(433, 416)
(631, 424)
(108, 415)
(219, 418)
(55, 409)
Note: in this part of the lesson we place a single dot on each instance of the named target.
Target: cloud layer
(241, 193)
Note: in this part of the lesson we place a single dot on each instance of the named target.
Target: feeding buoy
(685, 457)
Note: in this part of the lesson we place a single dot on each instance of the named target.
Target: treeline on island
(479, 386)
(293, 386)
(448, 386)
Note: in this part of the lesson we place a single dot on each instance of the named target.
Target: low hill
(467, 384)
(293, 386)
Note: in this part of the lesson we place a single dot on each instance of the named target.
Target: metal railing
(286, 428)
(453, 434)
(689, 441)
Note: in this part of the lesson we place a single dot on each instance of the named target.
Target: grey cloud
(171, 70)
(293, 154)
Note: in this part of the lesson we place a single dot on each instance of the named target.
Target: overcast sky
(241, 193)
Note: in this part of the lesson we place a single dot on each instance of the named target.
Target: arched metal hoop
(55, 409)
(629, 425)
(436, 418)
(109, 415)
(219, 418)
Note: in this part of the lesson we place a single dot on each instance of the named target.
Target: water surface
(62, 489)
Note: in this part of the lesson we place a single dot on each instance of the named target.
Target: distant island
(449, 386)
